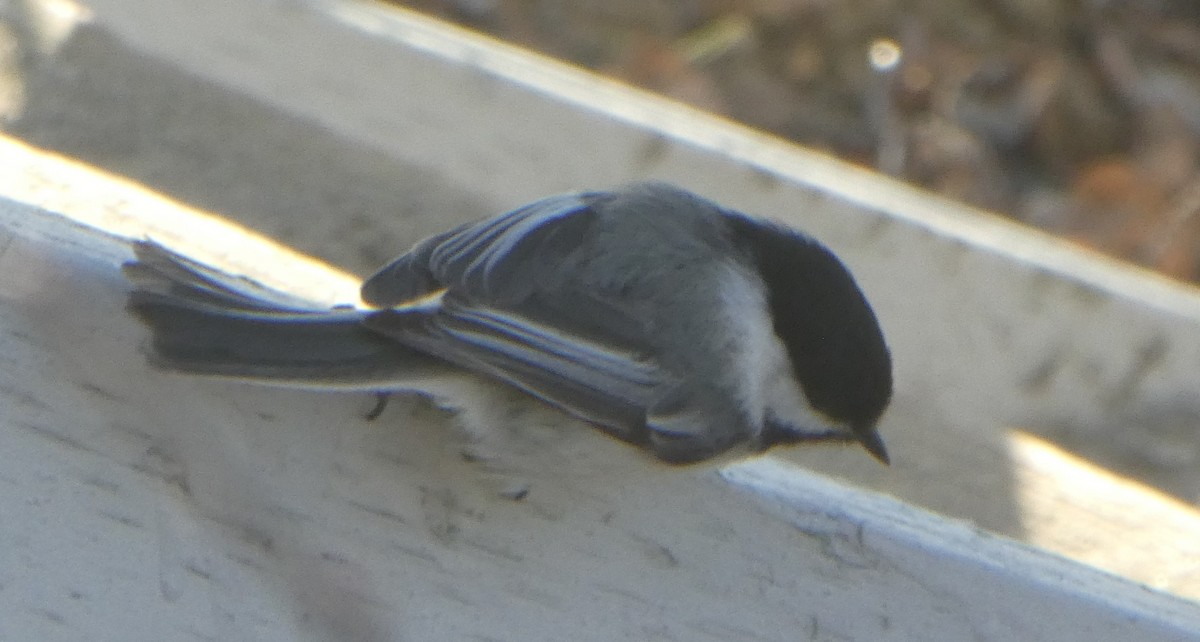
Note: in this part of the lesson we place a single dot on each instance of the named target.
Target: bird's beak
(870, 440)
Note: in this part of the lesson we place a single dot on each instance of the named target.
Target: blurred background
(1080, 117)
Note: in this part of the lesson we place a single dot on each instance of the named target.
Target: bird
(652, 313)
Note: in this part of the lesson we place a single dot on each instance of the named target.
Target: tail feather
(207, 322)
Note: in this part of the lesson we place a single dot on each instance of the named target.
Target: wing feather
(490, 260)
(575, 349)
(599, 383)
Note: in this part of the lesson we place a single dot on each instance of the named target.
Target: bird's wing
(581, 350)
(497, 260)
(601, 383)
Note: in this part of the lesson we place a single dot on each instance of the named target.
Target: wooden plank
(1072, 506)
(165, 507)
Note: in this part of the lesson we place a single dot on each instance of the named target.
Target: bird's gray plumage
(632, 309)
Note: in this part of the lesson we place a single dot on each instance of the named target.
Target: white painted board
(138, 505)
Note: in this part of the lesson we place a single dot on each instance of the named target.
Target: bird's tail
(204, 321)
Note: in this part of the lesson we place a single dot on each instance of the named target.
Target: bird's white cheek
(786, 403)
(767, 386)
(764, 379)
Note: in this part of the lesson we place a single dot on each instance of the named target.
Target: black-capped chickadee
(659, 316)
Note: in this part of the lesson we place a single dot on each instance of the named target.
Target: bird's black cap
(833, 339)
